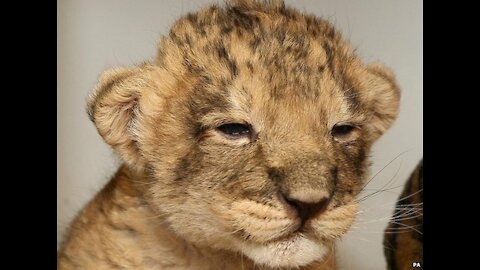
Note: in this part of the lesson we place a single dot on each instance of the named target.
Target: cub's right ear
(113, 107)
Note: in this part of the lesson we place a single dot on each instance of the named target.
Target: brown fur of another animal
(403, 238)
(187, 196)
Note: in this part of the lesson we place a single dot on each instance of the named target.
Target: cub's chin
(295, 251)
(305, 246)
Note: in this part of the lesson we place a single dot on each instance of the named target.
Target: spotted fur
(403, 239)
(189, 197)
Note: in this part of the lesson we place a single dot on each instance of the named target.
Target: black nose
(307, 210)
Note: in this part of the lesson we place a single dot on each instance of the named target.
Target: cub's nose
(307, 205)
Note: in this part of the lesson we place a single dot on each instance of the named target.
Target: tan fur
(189, 197)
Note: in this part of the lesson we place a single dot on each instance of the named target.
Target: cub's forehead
(262, 53)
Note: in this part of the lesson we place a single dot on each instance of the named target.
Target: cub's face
(252, 128)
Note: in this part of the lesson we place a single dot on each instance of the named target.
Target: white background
(95, 35)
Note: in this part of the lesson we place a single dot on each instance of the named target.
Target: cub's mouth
(295, 250)
(282, 234)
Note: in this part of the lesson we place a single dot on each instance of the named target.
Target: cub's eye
(342, 130)
(235, 130)
(345, 132)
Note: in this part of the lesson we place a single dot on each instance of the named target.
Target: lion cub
(244, 145)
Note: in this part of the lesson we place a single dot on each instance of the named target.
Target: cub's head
(253, 127)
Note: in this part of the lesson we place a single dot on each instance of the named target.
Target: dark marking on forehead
(301, 68)
(223, 55)
(227, 29)
(192, 17)
(240, 19)
(255, 43)
(288, 13)
(297, 53)
(223, 84)
(327, 47)
(174, 37)
(201, 31)
(349, 91)
(249, 66)
(331, 33)
(280, 35)
(200, 104)
(192, 68)
(312, 26)
(233, 67)
(351, 95)
(221, 52)
(283, 48)
(299, 41)
(337, 65)
(239, 32)
(205, 79)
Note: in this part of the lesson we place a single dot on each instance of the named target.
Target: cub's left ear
(383, 98)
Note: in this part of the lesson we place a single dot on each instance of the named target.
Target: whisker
(417, 213)
(390, 219)
(382, 188)
(403, 198)
(363, 239)
(143, 182)
(387, 206)
(399, 186)
(402, 228)
(412, 227)
(384, 167)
